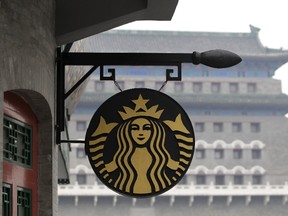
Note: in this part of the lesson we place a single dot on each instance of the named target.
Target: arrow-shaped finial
(216, 58)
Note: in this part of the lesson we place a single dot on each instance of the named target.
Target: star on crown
(140, 110)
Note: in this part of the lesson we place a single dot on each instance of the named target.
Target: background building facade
(238, 115)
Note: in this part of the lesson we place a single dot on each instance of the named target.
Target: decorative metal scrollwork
(111, 71)
(169, 72)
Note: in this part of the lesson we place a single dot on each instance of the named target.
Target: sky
(271, 16)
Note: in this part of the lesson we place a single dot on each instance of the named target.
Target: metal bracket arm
(212, 58)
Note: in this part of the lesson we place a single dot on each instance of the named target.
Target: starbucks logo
(140, 142)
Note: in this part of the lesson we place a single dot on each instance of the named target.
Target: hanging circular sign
(140, 142)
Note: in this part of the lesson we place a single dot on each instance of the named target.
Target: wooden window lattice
(24, 202)
(6, 200)
(17, 142)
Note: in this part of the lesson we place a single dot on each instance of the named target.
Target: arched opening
(219, 153)
(20, 157)
(257, 175)
(220, 175)
(237, 152)
(81, 177)
(24, 107)
(200, 152)
(238, 177)
(201, 177)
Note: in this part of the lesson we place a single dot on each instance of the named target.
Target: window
(24, 202)
(81, 125)
(233, 87)
(205, 73)
(207, 113)
(17, 142)
(139, 84)
(237, 153)
(199, 127)
(241, 74)
(251, 87)
(256, 179)
(236, 127)
(218, 127)
(200, 153)
(200, 179)
(244, 113)
(81, 178)
(197, 87)
(256, 154)
(80, 153)
(215, 87)
(220, 179)
(6, 200)
(238, 179)
(255, 127)
(99, 85)
(178, 87)
(219, 153)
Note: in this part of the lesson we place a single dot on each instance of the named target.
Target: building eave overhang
(76, 20)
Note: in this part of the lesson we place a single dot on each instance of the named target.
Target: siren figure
(142, 163)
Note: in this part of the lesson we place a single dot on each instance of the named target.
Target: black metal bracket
(213, 58)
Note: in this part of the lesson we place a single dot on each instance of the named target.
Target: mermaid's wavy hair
(127, 173)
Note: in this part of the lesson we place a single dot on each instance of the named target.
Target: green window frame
(17, 142)
(24, 202)
(6, 199)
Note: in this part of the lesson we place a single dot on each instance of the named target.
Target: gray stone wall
(27, 67)
(27, 46)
